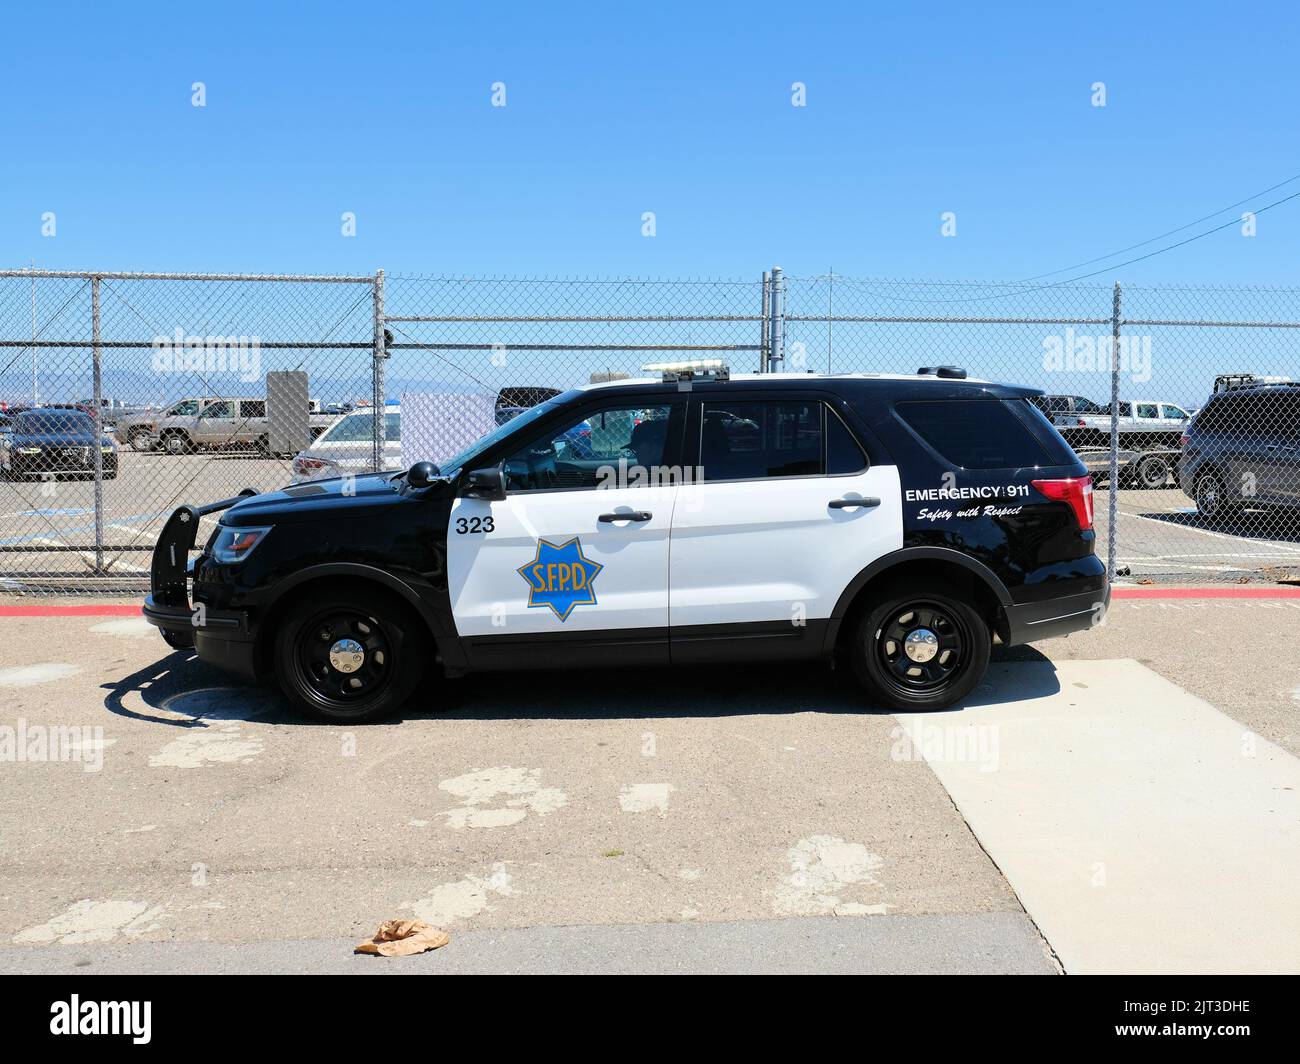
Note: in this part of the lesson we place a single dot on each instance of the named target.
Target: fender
(422, 596)
(899, 557)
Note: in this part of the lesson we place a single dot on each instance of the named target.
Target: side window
(974, 433)
(225, 408)
(843, 452)
(1146, 410)
(252, 408)
(583, 452)
(757, 438)
(1175, 412)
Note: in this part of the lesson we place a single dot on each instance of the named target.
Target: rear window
(975, 433)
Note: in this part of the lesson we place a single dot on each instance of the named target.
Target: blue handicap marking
(559, 576)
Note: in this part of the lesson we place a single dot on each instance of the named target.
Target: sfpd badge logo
(560, 577)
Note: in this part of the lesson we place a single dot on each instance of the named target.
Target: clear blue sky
(681, 109)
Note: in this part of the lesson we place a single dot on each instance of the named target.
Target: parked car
(347, 447)
(139, 430)
(905, 520)
(111, 410)
(1063, 410)
(52, 442)
(1143, 425)
(1242, 449)
(239, 423)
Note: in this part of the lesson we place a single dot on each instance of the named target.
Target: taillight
(1082, 424)
(303, 464)
(1184, 440)
(1077, 491)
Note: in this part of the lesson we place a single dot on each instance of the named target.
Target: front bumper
(61, 460)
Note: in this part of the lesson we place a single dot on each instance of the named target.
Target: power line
(1171, 232)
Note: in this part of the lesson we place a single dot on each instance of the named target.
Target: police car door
(577, 552)
(781, 512)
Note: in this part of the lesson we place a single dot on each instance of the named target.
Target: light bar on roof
(691, 369)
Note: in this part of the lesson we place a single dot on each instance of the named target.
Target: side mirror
(421, 474)
(487, 484)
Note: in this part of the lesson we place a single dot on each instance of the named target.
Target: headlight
(29, 450)
(235, 544)
(107, 449)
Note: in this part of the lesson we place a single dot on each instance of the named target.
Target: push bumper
(224, 638)
(1030, 621)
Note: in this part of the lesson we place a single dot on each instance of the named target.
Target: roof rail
(955, 373)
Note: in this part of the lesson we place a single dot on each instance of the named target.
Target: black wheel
(350, 656)
(262, 445)
(177, 639)
(1211, 498)
(921, 648)
(1153, 472)
(177, 443)
(141, 441)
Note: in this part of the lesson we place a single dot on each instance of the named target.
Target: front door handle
(630, 515)
(844, 504)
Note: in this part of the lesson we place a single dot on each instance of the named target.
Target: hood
(317, 500)
(56, 439)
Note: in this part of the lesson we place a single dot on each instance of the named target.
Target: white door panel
(763, 550)
(617, 575)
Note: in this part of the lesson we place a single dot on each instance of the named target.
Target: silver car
(347, 447)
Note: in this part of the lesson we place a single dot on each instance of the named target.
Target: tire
(1152, 473)
(887, 672)
(177, 443)
(1210, 494)
(391, 639)
(177, 639)
(141, 441)
(262, 445)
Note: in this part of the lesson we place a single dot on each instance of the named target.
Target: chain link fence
(126, 394)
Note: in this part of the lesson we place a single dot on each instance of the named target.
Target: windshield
(50, 422)
(466, 457)
(356, 428)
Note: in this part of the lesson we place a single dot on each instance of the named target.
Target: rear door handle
(844, 504)
(631, 515)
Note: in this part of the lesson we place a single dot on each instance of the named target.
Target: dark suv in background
(1242, 449)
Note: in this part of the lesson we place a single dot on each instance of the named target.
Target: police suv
(896, 524)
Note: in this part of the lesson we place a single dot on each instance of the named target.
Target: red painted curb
(1205, 592)
(106, 609)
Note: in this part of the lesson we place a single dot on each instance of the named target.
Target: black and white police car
(893, 523)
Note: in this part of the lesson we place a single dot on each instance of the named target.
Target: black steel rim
(326, 683)
(949, 658)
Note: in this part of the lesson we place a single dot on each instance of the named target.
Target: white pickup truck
(1143, 425)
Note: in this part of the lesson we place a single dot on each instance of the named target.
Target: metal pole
(830, 313)
(98, 446)
(1113, 485)
(767, 300)
(36, 392)
(776, 330)
(379, 393)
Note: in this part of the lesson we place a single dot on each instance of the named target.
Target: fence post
(97, 357)
(379, 392)
(776, 328)
(766, 322)
(1113, 485)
